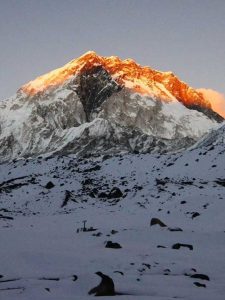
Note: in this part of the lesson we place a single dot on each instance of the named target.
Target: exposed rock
(178, 246)
(49, 185)
(175, 229)
(112, 245)
(198, 284)
(105, 288)
(195, 214)
(75, 277)
(200, 276)
(115, 193)
(156, 221)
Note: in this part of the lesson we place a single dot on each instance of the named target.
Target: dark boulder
(200, 276)
(178, 246)
(156, 221)
(115, 193)
(49, 185)
(112, 245)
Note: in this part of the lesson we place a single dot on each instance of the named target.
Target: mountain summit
(103, 104)
(127, 73)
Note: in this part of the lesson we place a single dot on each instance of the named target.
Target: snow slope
(43, 246)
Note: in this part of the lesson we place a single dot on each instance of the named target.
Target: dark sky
(184, 36)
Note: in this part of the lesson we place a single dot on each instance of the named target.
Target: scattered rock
(200, 276)
(97, 234)
(155, 221)
(50, 278)
(167, 271)
(68, 196)
(175, 229)
(178, 246)
(105, 288)
(115, 193)
(198, 284)
(160, 246)
(112, 245)
(75, 277)
(220, 181)
(49, 185)
(119, 272)
(6, 217)
(195, 214)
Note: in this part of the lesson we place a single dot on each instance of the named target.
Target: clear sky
(184, 36)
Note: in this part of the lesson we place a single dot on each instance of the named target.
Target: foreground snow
(42, 242)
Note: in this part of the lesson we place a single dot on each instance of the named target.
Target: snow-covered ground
(45, 254)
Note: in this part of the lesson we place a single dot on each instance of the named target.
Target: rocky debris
(11, 184)
(166, 272)
(119, 272)
(75, 277)
(9, 280)
(220, 181)
(179, 245)
(92, 169)
(200, 276)
(110, 244)
(105, 288)
(198, 284)
(69, 196)
(162, 182)
(195, 214)
(114, 193)
(156, 221)
(49, 185)
(5, 217)
(22, 289)
(175, 229)
(50, 278)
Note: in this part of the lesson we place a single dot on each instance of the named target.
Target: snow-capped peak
(103, 104)
(143, 80)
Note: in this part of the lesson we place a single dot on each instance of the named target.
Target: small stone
(112, 245)
(155, 221)
(49, 185)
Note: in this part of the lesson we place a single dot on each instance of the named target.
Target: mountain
(153, 222)
(98, 104)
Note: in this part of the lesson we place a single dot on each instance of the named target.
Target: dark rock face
(94, 87)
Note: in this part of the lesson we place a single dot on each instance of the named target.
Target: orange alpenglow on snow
(142, 80)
